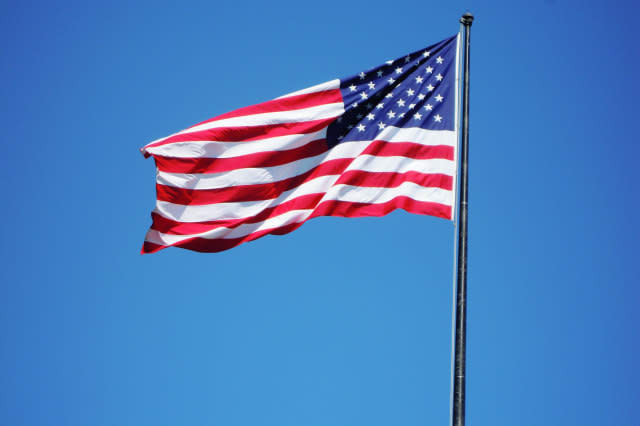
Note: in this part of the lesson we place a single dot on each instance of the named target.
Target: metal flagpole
(461, 281)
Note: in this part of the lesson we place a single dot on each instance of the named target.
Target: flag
(365, 145)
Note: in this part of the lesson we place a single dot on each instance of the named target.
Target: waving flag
(365, 145)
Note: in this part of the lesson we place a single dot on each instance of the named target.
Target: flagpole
(458, 415)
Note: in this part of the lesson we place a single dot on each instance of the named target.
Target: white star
(381, 125)
(380, 105)
(391, 114)
(410, 92)
(389, 95)
(428, 107)
(412, 106)
(372, 85)
(437, 118)
(401, 115)
(419, 79)
(362, 75)
(363, 95)
(439, 77)
(430, 88)
(400, 102)
(439, 59)
(426, 53)
(429, 70)
(379, 73)
(439, 98)
(407, 59)
(361, 127)
(421, 96)
(352, 88)
(389, 62)
(355, 105)
(417, 116)
(370, 116)
(399, 70)
(391, 81)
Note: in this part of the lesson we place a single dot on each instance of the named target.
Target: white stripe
(397, 164)
(215, 149)
(329, 85)
(418, 135)
(318, 112)
(369, 195)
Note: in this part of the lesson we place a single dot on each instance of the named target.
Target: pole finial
(467, 19)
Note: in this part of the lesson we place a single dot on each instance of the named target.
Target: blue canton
(417, 90)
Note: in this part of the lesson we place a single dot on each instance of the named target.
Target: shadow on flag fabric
(364, 145)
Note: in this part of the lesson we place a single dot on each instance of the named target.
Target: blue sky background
(345, 321)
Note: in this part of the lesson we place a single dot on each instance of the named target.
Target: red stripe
(247, 133)
(393, 180)
(257, 192)
(169, 226)
(149, 247)
(327, 208)
(258, 159)
(213, 246)
(285, 104)
(277, 158)
(381, 148)
(349, 209)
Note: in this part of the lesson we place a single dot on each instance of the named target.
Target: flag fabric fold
(383, 139)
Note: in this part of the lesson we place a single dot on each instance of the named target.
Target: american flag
(365, 145)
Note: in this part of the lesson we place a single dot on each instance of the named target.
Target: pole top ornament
(467, 19)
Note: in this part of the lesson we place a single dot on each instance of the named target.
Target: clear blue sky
(345, 321)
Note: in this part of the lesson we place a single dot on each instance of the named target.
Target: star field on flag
(417, 90)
